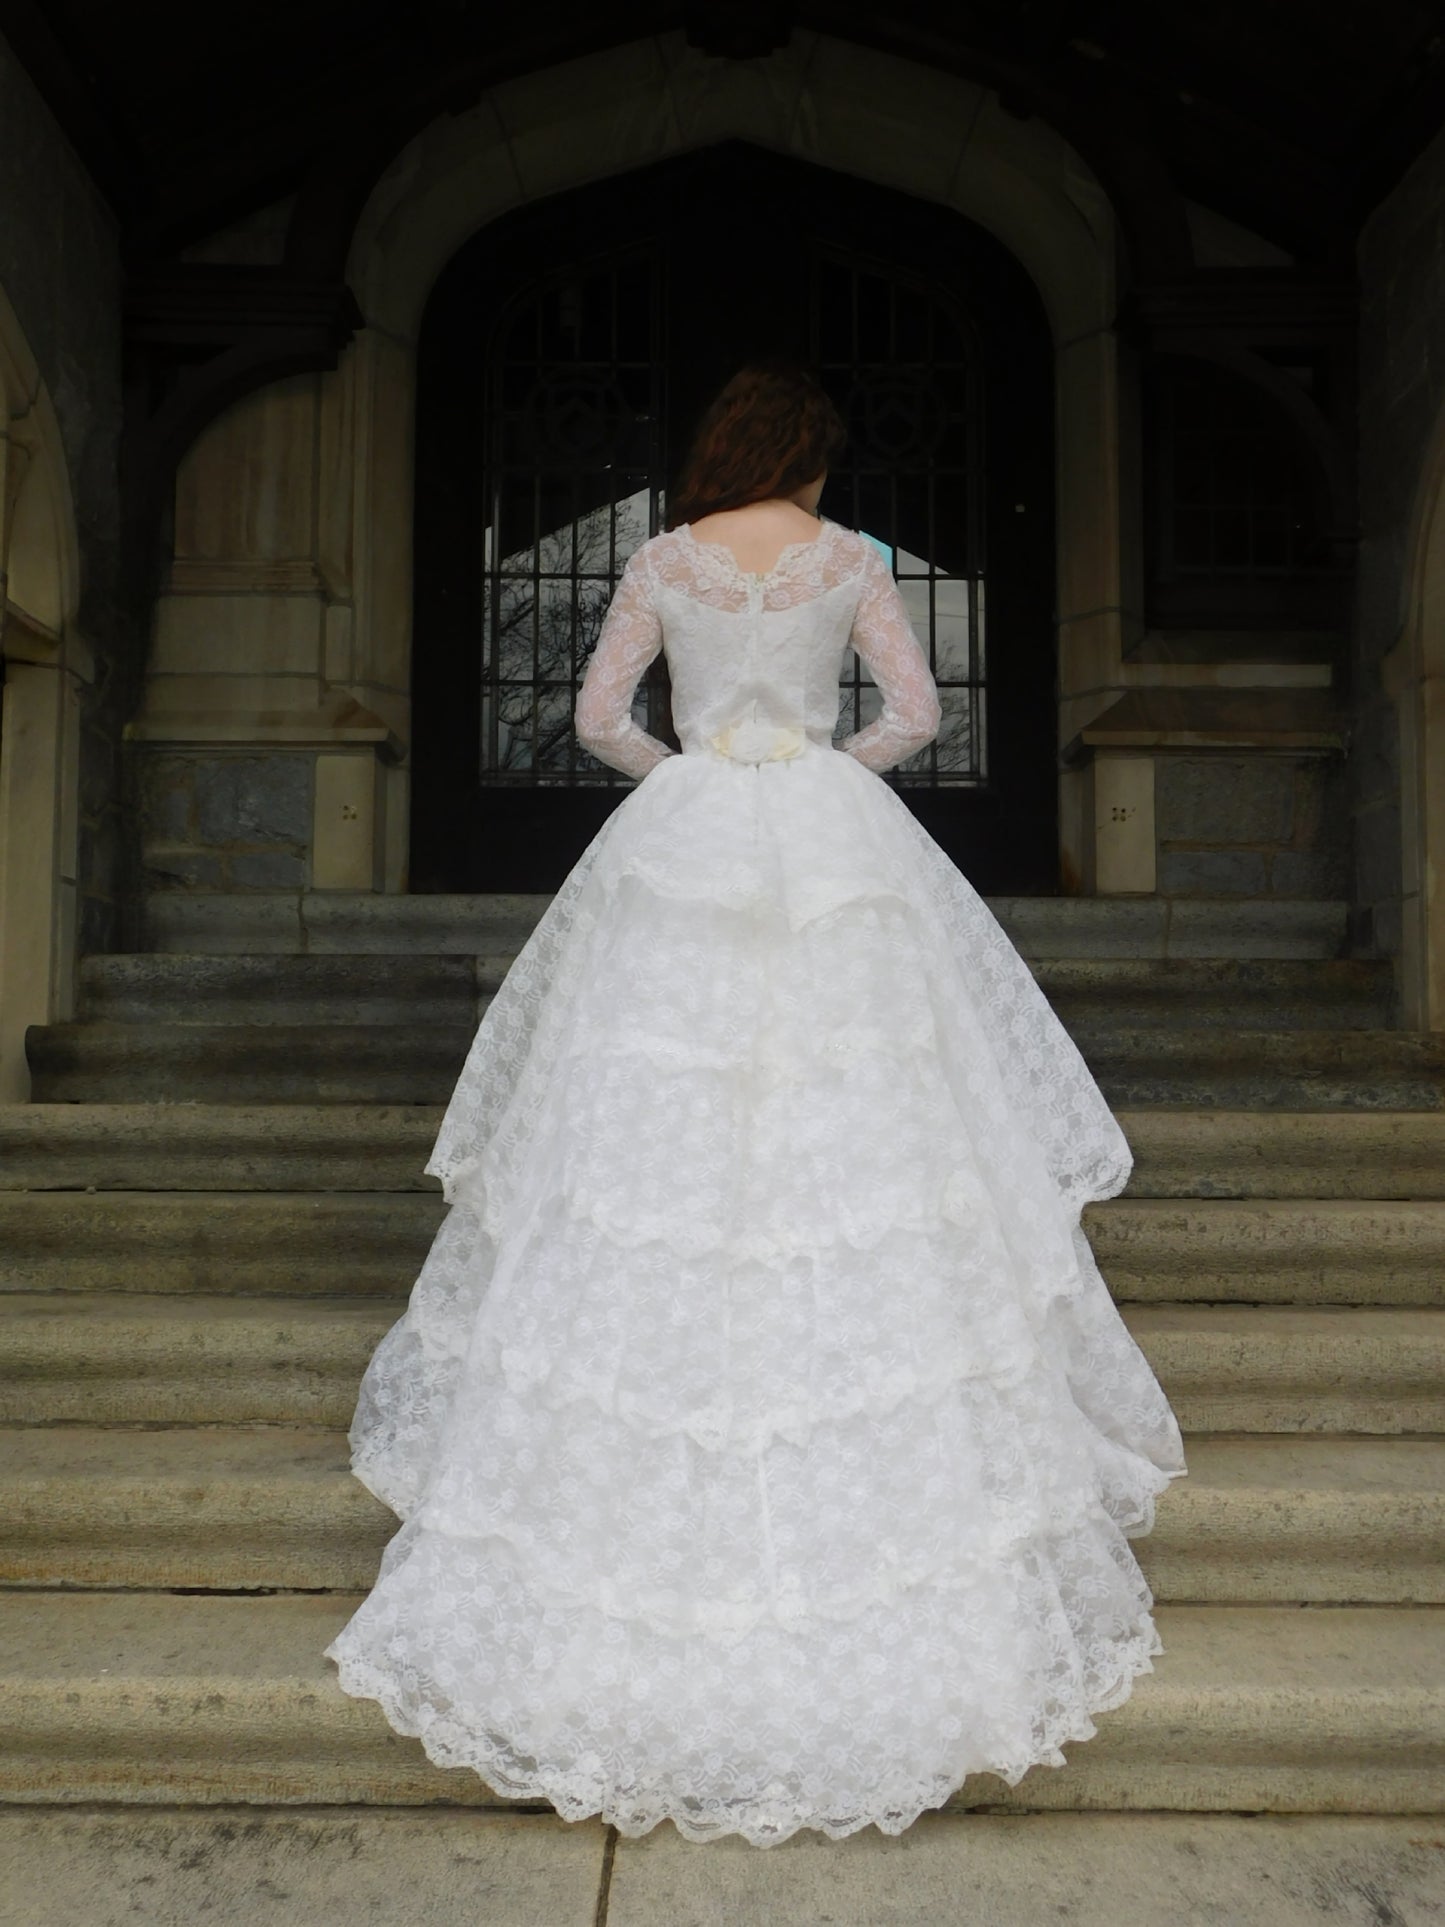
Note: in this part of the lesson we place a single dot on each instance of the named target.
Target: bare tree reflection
(548, 608)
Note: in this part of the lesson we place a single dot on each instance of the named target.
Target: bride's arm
(629, 639)
(885, 639)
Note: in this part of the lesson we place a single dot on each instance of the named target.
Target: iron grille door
(902, 360)
(575, 438)
(559, 379)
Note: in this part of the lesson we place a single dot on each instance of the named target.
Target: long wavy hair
(770, 431)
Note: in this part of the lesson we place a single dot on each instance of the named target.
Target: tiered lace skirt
(766, 1440)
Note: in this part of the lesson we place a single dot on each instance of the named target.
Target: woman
(766, 1439)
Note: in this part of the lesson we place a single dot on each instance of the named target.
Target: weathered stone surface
(148, 1698)
(1270, 927)
(221, 926)
(294, 1243)
(1224, 799)
(223, 1147)
(342, 922)
(144, 1357)
(1377, 850)
(419, 1063)
(1214, 992)
(1310, 873)
(265, 870)
(277, 1869)
(1259, 1368)
(1008, 1870)
(97, 923)
(1322, 805)
(373, 988)
(368, 1148)
(1299, 1250)
(165, 800)
(1318, 1519)
(183, 870)
(133, 1358)
(1282, 1242)
(420, 990)
(230, 1064)
(1213, 873)
(253, 799)
(1284, 1154)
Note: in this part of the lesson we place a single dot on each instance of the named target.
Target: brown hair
(770, 431)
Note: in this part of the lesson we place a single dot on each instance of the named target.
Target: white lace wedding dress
(766, 1439)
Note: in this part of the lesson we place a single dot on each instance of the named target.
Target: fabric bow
(754, 741)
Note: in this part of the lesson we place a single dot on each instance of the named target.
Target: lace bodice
(755, 659)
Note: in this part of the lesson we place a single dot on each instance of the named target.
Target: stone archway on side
(45, 665)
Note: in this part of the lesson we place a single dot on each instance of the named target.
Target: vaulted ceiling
(1293, 117)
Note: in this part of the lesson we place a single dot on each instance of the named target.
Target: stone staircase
(214, 1207)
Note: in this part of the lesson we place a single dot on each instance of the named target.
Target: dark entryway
(565, 356)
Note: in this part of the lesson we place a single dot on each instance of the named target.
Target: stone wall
(1402, 391)
(226, 822)
(1252, 826)
(60, 268)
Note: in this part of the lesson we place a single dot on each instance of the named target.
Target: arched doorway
(562, 361)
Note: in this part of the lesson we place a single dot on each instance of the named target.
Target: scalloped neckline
(760, 575)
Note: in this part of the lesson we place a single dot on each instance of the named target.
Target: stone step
(451, 990)
(230, 1063)
(1269, 1251)
(294, 1243)
(85, 1063)
(126, 1358)
(372, 1147)
(286, 1867)
(228, 1508)
(1257, 994)
(307, 990)
(217, 1147)
(349, 923)
(1182, 1153)
(1243, 1069)
(1282, 1251)
(150, 1698)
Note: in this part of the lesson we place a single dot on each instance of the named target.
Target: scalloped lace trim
(580, 1793)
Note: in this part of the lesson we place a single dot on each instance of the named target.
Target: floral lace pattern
(744, 655)
(766, 1441)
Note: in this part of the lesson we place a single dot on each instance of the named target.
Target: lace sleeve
(629, 639)
(884, 638)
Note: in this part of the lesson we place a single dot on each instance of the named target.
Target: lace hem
(584, 1791)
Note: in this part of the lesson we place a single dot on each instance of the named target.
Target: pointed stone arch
(344, 673)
